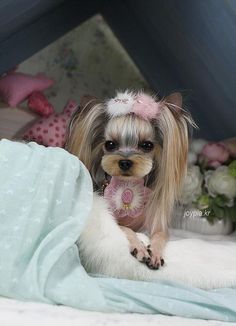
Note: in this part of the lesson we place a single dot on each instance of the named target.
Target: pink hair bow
(140, 104)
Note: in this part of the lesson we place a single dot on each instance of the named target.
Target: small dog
(140, 143)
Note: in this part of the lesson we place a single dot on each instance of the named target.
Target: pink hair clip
(140, 104)
(146, 107)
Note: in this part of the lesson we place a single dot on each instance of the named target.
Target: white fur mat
(201, 262)
(16, 313)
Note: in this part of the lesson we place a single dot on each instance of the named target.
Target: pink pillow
(51, 131)
(16, 87)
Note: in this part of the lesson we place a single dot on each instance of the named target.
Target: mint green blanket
(45, 197)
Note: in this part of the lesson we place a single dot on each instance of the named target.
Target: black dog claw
(146, 260)
(134, 252)
(151, 266)
(149, 251)
(157, 266)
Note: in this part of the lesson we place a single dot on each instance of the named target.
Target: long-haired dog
(132, 137)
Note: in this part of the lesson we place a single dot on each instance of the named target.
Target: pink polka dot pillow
(50, 131)
(15, 87)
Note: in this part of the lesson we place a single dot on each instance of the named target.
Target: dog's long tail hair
(173, 125)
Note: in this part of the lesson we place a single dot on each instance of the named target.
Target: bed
(37, 19)
(14, 312)
(51, 200)
(18, 313)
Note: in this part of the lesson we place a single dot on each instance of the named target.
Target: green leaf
(218, 211)
(232, 168)
(221, 200)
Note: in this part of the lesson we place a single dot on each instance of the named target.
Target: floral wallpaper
(87, 60)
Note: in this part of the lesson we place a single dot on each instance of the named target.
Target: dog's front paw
(156, 259)
(140, 252)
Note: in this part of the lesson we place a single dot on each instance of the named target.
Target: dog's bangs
(129, 130)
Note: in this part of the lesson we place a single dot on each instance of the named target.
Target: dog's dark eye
(110, 145)
(146, 146)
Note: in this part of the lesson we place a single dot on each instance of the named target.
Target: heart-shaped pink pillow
(15, 87)
(51, 131)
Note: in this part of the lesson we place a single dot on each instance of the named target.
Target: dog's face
(130, 147)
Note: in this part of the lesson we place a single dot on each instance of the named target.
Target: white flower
(192, 158)
(220, 182)
(197, 145)
(192, 186)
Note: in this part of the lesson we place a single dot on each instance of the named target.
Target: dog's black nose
(125, 164)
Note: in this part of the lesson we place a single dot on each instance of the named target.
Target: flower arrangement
(210, 184)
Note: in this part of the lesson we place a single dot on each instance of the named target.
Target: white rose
(192, 186)
(197, 145)
(192, 158)
(220, 182)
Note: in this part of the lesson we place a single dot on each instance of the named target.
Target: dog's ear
(175, 99)
(85, 136)
(171, 159)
